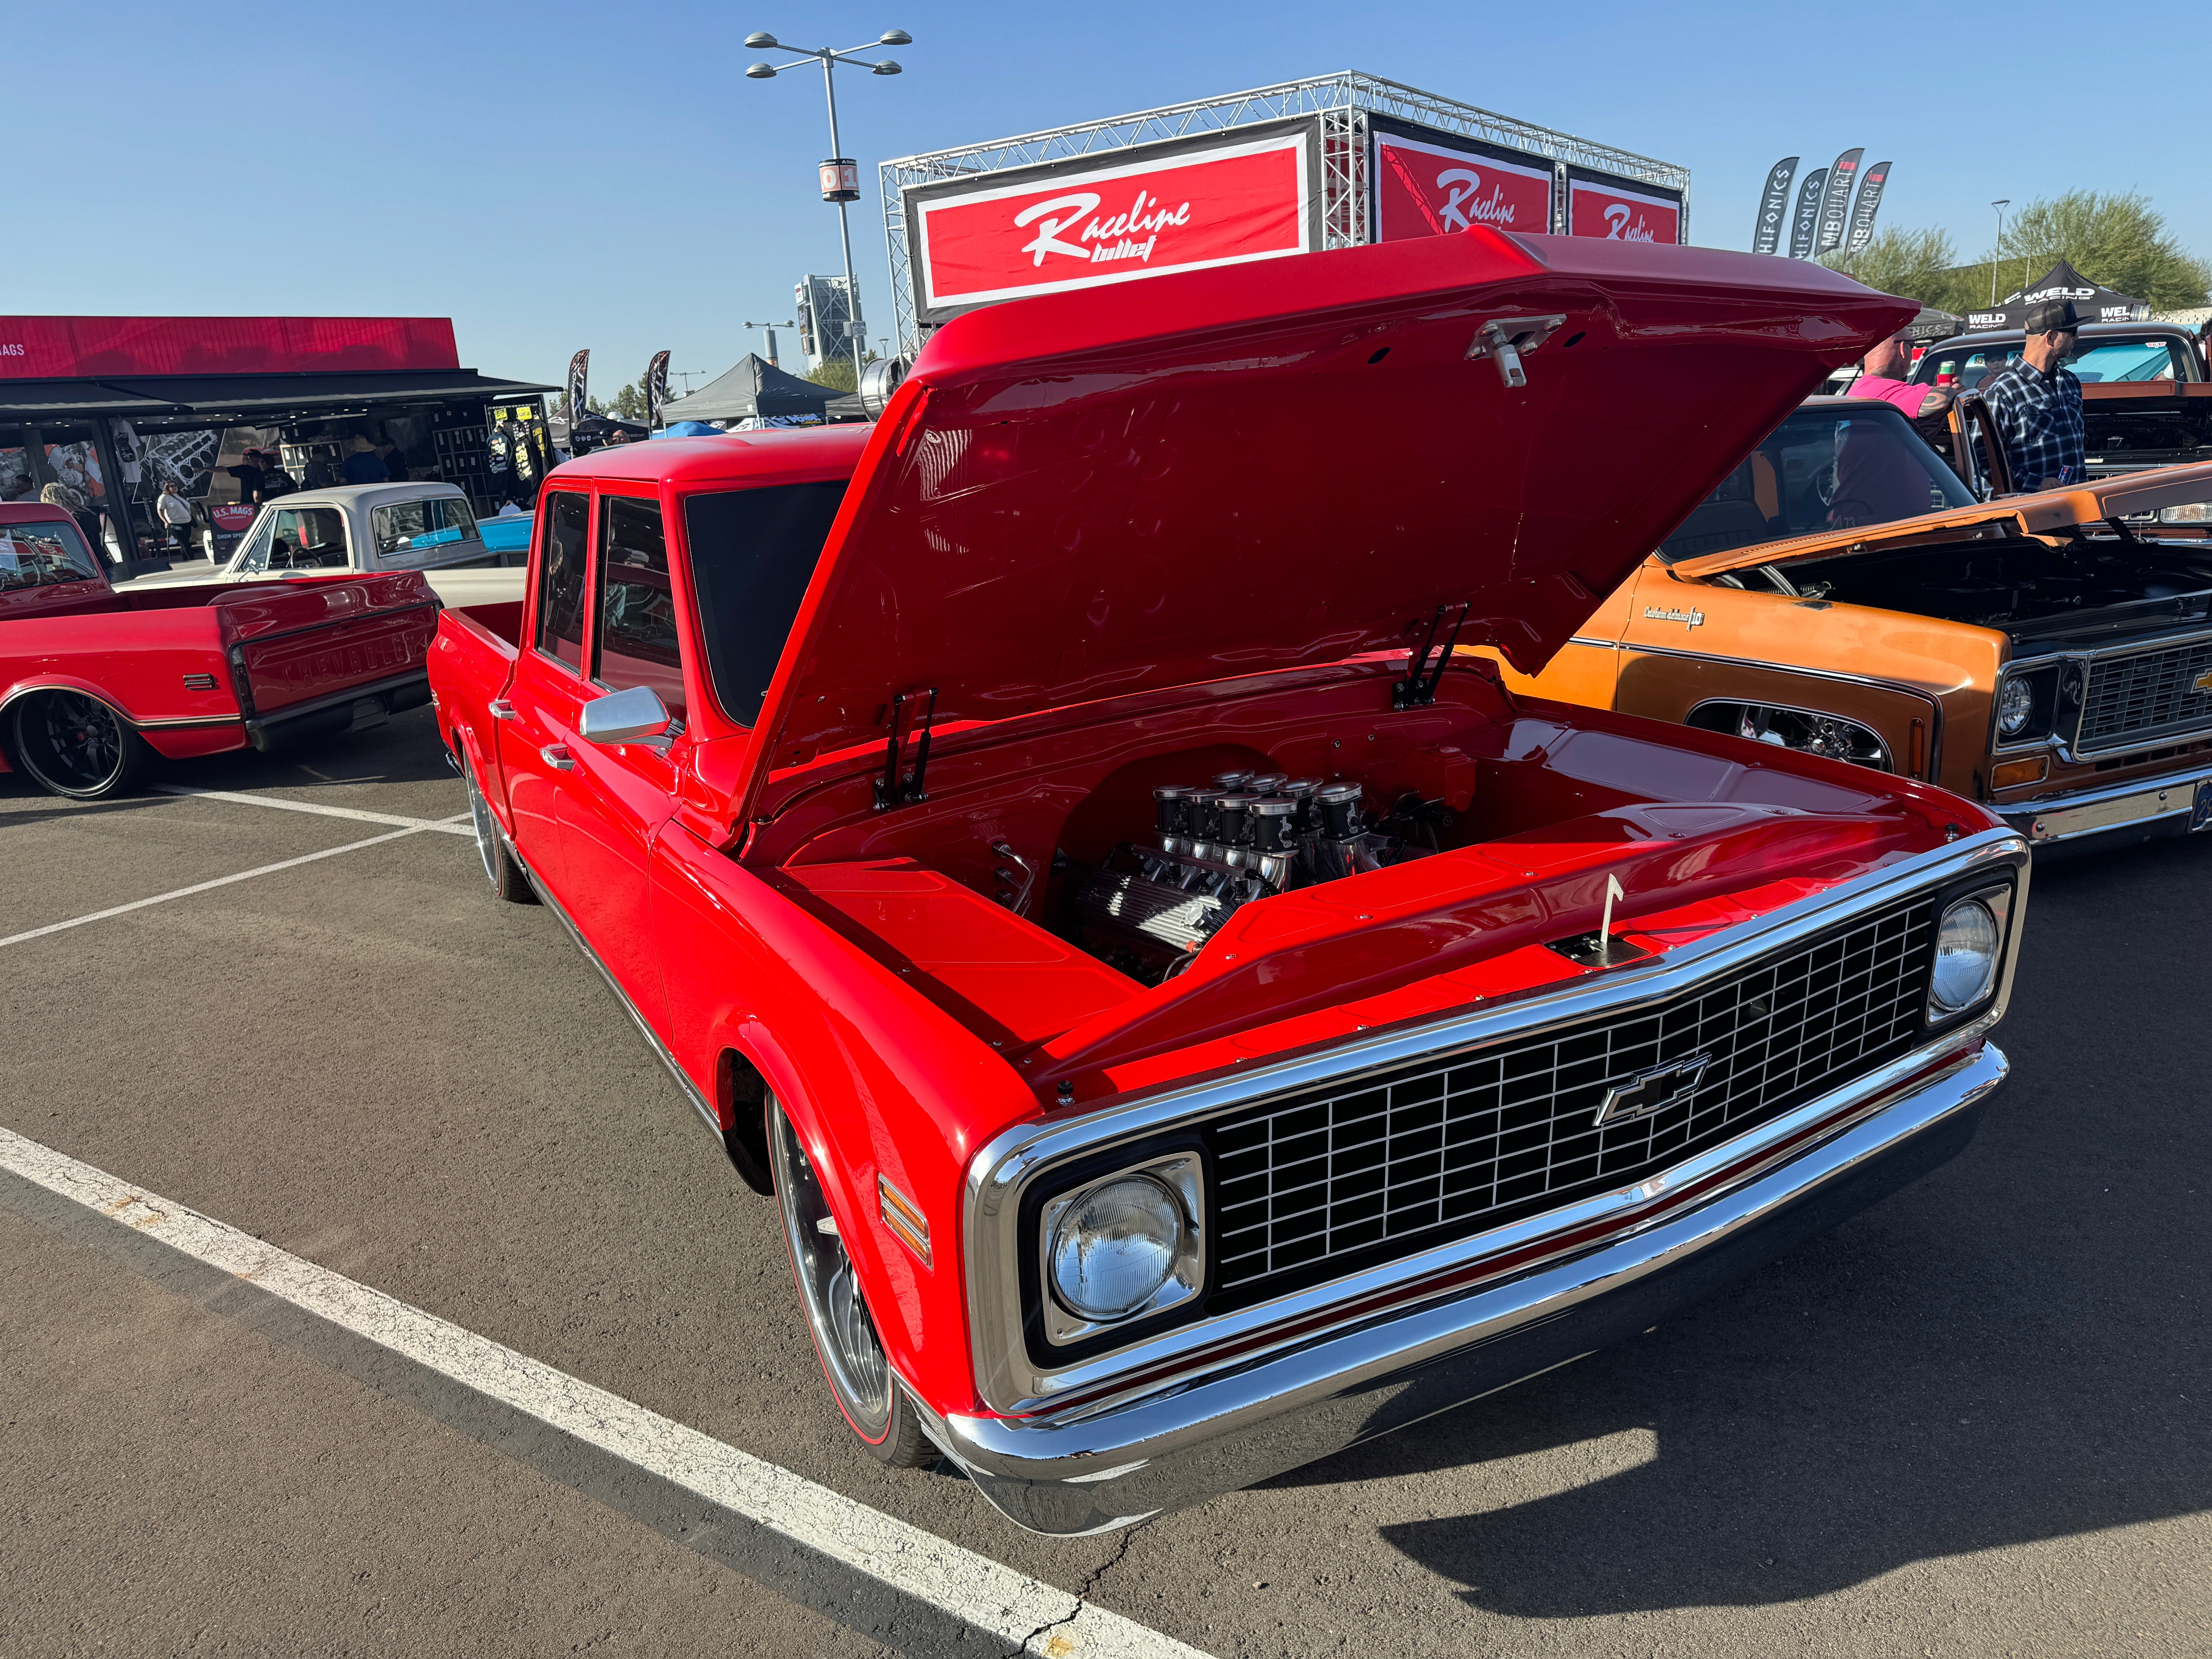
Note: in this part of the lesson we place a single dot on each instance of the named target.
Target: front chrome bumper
(2138, 810)
(1074, 1473)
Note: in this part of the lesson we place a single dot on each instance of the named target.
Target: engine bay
(2022, 581)
(1218, 847)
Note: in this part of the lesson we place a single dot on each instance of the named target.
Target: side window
(561, 579)
(637, 641)
(42, 555)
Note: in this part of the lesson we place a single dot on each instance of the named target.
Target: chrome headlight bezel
(1181, 1174)
(1996, 901)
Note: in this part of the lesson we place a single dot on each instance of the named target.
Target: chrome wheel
(487, 847)
(844, 1331)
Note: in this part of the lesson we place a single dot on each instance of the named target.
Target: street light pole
(1998, 252)
(836, 186)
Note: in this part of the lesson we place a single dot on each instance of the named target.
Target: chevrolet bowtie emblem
(1652, 1091)
(2203, 681)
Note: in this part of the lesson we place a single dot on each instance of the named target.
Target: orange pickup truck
(1842, 592)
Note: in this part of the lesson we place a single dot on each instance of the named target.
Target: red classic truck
(92, 681)
(1191, 1016)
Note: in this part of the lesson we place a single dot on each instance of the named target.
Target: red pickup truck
(93, 681)
(1191, 1015)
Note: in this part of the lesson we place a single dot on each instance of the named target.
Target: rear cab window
(753, 553)
(406, 530)
(563, 562)
(295, 538)
(44, 554)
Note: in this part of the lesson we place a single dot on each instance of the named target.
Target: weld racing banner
(1621, 210)
(1427, 183)
(1773, 207)
(656, 389)
(1184, 205)
(1835, 199)
(579, 369)
(1864, 208)
(1807, 224)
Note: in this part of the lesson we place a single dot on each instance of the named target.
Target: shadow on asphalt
(2013, 1349)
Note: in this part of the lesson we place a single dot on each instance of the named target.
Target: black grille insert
(1345, 1174)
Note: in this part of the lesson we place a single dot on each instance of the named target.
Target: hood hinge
(1507, 340)
(891, 789)
(1418, 688)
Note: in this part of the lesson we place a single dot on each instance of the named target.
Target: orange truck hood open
(2048, 512)
(1256, 468)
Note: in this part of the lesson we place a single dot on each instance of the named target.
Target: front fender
(879, 1083)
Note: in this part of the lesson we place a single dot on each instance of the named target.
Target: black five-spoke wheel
(74, 746)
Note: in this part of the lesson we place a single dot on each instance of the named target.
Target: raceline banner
(1427, 183)
(1864, 208)
(1185, 205)
(1836, 199)
(1621, 210)
(1773, 207)
(1807, 224)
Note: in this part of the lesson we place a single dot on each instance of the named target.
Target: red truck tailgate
(298, 642)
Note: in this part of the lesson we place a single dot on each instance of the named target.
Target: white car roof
(375, 495)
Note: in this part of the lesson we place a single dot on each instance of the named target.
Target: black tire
(508, 880)
(875, 1406)
(75, 746)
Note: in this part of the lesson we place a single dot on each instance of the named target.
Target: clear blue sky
(556, 175)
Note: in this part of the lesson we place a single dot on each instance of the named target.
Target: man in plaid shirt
(2037, 402)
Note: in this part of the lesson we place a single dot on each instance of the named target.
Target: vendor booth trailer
(1331, 161)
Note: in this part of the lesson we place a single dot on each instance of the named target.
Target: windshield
(42, 553)
(2145, 357)
(753, 552)
(1829, 467)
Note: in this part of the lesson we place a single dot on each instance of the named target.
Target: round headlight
(1966, 956)
(2015, 708)
(1115, 1247)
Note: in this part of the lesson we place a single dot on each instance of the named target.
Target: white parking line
(203, 886)
(972, 1587)
(446, 826)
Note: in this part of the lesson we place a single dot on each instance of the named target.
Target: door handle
(556, 755)
(501, 709)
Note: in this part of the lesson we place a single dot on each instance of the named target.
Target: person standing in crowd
(1882, 375)
(395, 463)
(61, 495)
(248, 472)
(363, 465)
(175, 514)
(2036, 402)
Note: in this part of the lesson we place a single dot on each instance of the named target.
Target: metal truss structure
(1343, 102)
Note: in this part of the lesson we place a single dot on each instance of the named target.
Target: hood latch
(1507, 340)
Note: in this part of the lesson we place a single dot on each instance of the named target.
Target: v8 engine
(1216, 847)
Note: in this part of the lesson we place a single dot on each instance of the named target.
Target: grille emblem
(2204, 682)
(1652, 1091)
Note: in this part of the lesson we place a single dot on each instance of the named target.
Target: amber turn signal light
(2013, 774)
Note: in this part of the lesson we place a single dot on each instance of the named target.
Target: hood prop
(890, 789)
(1418, 688)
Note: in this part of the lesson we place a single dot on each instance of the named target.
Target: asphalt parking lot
(1973, 1421)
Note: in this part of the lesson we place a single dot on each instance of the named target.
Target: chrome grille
(1349, 1173)
(2145, 695)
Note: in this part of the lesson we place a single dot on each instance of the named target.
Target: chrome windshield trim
(1001, 1171)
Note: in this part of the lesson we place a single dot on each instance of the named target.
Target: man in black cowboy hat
(2037, 402)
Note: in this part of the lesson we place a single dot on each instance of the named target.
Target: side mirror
(624, 716)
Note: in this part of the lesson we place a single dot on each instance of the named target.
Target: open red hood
(1266, 465)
